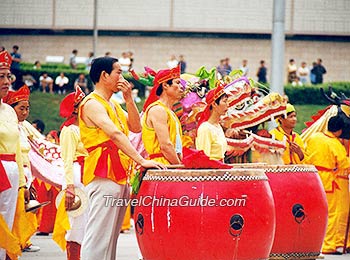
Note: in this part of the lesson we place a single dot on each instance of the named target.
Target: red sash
(109, 150)
(80, 160)
(4, 180)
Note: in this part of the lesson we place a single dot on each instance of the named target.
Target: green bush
(312, 94)
(54, 70)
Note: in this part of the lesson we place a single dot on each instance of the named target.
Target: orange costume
(105, 174)
(149, 136)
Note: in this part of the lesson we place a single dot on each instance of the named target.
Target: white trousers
(77, 224)
(105, 219)
(8, 198)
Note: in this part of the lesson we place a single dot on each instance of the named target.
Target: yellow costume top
(211, 139)
(72, 149)
(288, 156)
(150, 139)
(10, 138)
(325, 151)
(105, 159)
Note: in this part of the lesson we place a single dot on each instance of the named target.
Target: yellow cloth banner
(61, 225)
(25, 223)
(8, 241)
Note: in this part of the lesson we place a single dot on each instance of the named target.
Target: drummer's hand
(152, 164)
(26, 195)
(295, 148)
(70, 194)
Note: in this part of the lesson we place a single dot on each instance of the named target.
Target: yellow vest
(149, 136)
(93, 138)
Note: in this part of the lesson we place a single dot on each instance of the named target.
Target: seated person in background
(46, 82)
(297, 82)
(82, 82)
(29, 80)
(62, 83)
(37, 65)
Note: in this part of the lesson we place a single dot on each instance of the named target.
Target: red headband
(161, 77)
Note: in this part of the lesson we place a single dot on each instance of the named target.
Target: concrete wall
(155, 51)
(255, 16)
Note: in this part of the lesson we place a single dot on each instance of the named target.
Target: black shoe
(42, 234)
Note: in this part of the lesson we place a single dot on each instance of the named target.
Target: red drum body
(205, 215)
(301, 211)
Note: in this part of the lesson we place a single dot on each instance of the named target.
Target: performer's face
(22, 110)
(5, 82)
(290, 121)
(115, 77)
(176, 89)
(222, 107)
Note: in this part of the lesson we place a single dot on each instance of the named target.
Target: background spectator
(182, 63)
(37, 65)
(291, 70)
(319, 70)
(46, 82)
(16, 59)
(72, 59)
(62, 83)
(172, 63)
(244, 68)
(312, 74)
(297, 82)
(89, 60)
(303, 73)
(125, 62)
(262, 72)
(82, 82)
(29, 80)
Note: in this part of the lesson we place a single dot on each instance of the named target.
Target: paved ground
(127, 249)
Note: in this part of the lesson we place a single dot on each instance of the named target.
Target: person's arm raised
(96, 114)
(134, 121)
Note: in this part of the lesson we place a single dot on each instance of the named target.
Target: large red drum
(301, 210)
(205, 215)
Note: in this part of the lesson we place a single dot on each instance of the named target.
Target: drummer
(210, 135)
(295, 149)
(161, 129)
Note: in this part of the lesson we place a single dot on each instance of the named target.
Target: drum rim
(206, 172)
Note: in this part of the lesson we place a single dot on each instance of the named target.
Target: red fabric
(4, 180)
(161, 77)
(16, 96)
(48, 215)
(210, 98)
(155, 155)
(5, 60)
(73, 250)
(81, 160)
(71, 100)
(109, 150)
(70, 121)
(194, 159)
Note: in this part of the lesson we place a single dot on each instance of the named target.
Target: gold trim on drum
(290, 168)
(294, 255)
(186, 175)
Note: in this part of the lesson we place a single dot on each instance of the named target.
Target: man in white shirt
(62, 82)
